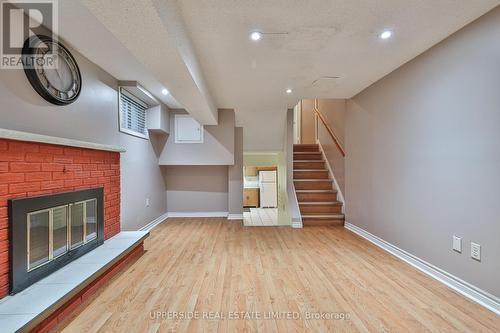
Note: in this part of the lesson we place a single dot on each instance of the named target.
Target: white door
(268, 195)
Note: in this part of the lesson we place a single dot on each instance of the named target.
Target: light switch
(475, 251)
(457, 244)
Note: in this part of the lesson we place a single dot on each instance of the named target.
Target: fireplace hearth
(47, 232)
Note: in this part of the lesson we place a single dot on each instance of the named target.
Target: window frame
(122, 90)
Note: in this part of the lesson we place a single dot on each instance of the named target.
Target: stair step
(308, 164)
(307, 156)
(317, 191)
(310, 174)
(320, 208)
(323, 220)
(316, 195)
(313, 184)
(306, 148)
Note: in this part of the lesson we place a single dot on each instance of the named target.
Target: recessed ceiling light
(289, 91)
(386, 34)
(164, 91)
(256, 35)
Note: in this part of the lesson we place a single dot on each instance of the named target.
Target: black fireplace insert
(49, 231)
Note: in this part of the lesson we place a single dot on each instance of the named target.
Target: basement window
(132, 114)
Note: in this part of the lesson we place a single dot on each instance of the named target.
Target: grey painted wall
(93, 117)
(263, 129)
(197, 188)
(235, 175)
(423, 154)
(216, 149)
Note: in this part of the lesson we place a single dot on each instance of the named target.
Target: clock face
(51, 70)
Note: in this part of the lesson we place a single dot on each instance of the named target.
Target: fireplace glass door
(77, 218)
(60, 231)
(55, 231)
(91, 220)
(38, 238)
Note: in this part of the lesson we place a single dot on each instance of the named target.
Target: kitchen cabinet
(251, 171)
(251, 197)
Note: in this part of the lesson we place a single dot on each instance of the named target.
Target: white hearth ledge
(54, 140)
(23, 311)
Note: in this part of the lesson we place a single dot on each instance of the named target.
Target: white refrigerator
(268, 189)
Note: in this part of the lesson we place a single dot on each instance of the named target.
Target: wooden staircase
(315, 190)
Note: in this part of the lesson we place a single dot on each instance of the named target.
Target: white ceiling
(325, 38)
(200, 50)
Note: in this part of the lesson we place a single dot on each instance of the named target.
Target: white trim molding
(54, 140)
(474, 293)
(160, 219)
(197, 214)
(297, 224)
(235, 216)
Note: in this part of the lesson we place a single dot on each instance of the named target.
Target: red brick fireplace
(32, 169)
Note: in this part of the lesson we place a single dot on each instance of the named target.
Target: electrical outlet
(147, 202)
(457, 244)
(475, 251)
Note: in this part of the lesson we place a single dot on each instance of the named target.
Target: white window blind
(132, 114)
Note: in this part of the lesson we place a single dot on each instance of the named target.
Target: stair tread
(317, 191)
(323, 216)
(312, 180)
(317, 203)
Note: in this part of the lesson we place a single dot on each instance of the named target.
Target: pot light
(386, 34)
(164, 91)
(256, 35)
(289, 91)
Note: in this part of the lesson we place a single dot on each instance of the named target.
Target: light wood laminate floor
(213, 267)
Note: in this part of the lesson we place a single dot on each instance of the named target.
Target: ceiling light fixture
(386, 34)
(256, 35)
(289, 91)
(164, 91)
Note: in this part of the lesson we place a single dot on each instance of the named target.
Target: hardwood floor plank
(213, 267)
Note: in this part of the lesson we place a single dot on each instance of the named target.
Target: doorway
(260, 195)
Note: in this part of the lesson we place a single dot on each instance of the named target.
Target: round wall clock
(60, 84)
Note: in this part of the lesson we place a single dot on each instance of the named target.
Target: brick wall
(31, 169)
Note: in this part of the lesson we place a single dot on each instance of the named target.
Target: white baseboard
(297, 224)
(474, 293)
(197, 214)
(154, 223)
(235, 216)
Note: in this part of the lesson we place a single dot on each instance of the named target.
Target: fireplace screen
(48, 232)
(54, 231)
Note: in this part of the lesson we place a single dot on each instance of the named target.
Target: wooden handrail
(328, 128)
